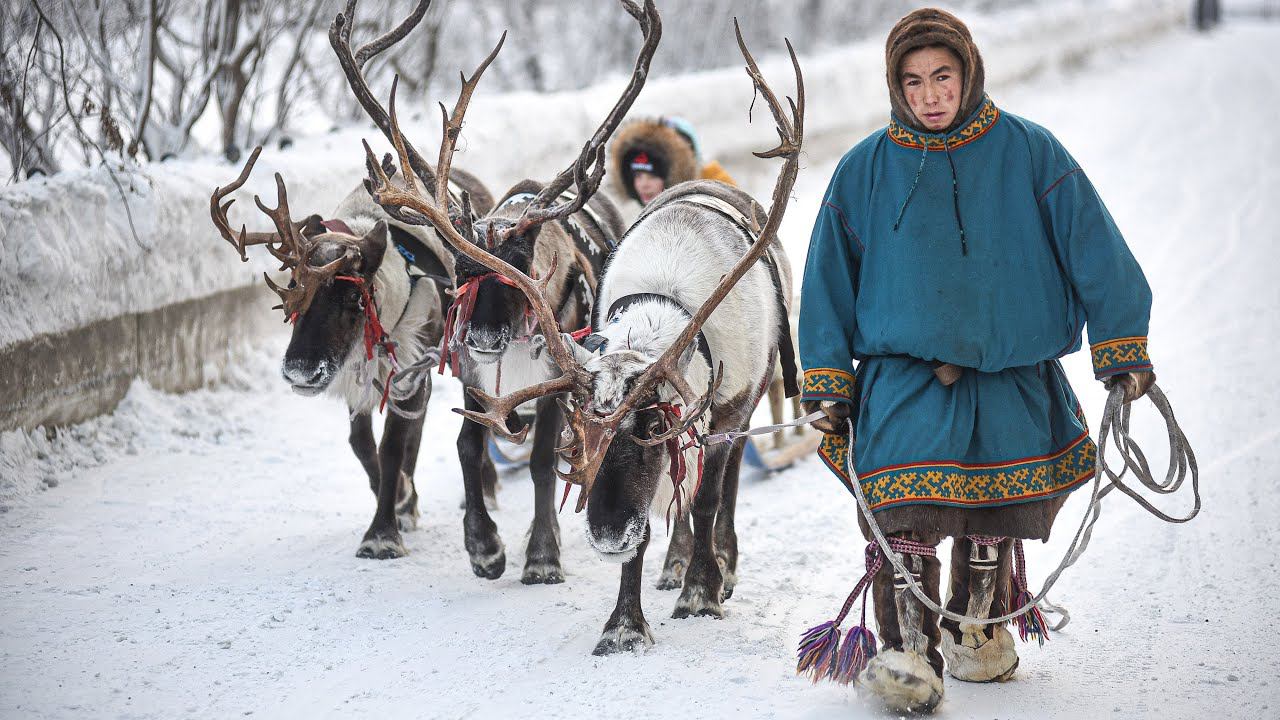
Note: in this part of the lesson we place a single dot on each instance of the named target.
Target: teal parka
(986, 247)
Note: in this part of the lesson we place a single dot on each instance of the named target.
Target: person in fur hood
(957, 255)
(649, 155)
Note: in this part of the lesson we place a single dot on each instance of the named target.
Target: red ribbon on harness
(375, 334)
(458, 318)
(679, 469)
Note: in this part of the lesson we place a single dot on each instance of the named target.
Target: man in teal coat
(959, 252)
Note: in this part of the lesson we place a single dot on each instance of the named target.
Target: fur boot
(906, 675)
(979, 588)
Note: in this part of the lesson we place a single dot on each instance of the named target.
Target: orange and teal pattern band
(965, 484)
(827, 384)
(1121, 355)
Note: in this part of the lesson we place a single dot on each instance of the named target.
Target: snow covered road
(195, 555)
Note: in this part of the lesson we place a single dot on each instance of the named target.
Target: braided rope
(1114, 428)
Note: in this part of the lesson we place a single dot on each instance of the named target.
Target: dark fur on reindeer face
(629, 477)
(618, 507)
(334, 322)
(499, 313)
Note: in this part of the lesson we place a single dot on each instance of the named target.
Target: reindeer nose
(486, 341)
(305, 375)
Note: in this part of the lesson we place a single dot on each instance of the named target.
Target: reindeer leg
(489, 482)
(365, 448)
(627, 629)
(407, 495)
(678, 552)
(726, 535)
(382, 540)
(479, 532)
(542, 556)
(703, 583)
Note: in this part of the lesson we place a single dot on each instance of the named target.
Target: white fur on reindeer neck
(681, 251)
(404, 306)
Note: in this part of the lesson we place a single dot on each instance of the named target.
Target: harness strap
(627, 301)
(786, 349)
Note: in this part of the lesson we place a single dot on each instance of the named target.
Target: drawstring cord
(955, 193)
(955, 200)
(924, 155)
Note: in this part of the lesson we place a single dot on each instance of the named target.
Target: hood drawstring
(914, 182)
(955, 200)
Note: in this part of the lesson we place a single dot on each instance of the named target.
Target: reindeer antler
(218, 212)
(408, 204)
(353, 68)
(593, 433)
(288, 244)
(587, 170)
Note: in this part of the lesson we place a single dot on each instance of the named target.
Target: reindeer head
(496, 311)
(653, 461)
(331, 277)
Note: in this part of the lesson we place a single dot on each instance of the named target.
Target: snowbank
(69, 257)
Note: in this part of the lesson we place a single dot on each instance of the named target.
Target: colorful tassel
(1030, 623)
(817, 653)
(856, 651)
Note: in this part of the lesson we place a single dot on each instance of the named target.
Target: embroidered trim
(1120, 356)
(986, 119)
(827, 384)
(969, 485)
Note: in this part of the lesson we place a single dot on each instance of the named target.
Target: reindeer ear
(530, 236)
(373, 246)
(313, 225)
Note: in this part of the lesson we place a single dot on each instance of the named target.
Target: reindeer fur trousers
(915, 642)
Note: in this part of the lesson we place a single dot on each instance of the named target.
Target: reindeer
(559, 234)
(681, 260)
(365, 297)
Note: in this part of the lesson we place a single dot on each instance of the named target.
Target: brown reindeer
(660, 341)
(561, 232)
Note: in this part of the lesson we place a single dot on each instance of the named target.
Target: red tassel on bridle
(375, 334)
(679, 469)
(458, 318)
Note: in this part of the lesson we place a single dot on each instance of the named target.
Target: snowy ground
(194, 555)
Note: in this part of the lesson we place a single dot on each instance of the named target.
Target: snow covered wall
(70, 261)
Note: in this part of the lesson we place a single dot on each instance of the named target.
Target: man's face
(932, 82)
(647, 186)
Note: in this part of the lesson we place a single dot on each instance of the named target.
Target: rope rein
(1114, 428)
(822, 654)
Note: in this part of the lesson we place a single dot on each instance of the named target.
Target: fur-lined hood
(661, 141)
(923, 28)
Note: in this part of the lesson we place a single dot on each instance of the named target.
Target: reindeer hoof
(730, 577)
(490, 567)
(488, 555)
(624, 638)
(672, 576)
(542, 573)
(698, 601)
(381, 546)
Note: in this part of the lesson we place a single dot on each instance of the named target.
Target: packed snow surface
(195, 555)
